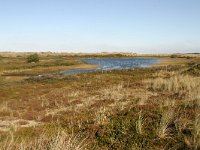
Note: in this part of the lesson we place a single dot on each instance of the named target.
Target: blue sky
(142, 26)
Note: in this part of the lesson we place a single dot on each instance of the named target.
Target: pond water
(115, 64)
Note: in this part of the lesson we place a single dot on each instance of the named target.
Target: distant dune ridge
(131, 54)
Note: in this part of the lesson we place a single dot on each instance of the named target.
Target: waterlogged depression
(115, 64)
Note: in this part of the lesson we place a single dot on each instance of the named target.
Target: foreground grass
(153, 108)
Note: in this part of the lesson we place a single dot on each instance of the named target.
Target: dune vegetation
(148, 108)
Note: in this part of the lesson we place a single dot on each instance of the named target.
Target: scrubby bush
(174, 56)
(32, 58)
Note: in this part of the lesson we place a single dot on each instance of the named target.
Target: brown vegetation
(151, 108)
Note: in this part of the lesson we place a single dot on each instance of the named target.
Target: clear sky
(142, 26)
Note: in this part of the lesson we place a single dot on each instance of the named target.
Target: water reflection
(111, 64)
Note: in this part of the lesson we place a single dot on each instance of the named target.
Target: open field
(150, 108)
(12, 64)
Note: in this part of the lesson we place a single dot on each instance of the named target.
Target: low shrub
(32, 58)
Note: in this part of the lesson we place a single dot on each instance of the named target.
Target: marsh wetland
(155, 107)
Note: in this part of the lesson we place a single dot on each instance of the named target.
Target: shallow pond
(111, 64)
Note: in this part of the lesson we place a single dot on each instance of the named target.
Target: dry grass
(184, 86)
(154, 108)
(101, 116)
(186, 90)
(59, 141)
(175, 84)
(164, 129)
